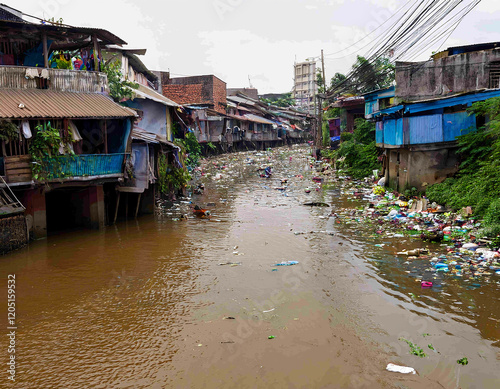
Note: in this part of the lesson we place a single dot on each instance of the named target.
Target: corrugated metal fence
(86, 165)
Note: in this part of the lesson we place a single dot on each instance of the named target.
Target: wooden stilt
(137, 206)
(116, 209)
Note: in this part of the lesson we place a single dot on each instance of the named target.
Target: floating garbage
(400, 369)
(287, 263)
(317, 204)
(426, 284)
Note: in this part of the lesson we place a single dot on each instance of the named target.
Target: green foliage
(284, 100)
(346, 137)
(211, 146)
(171, 178)
(53, 20)
(414, 349)
(492, 213)
(463, 361)
(326, 134)
(191, 147)
(365, 76)
(410, 192)
(332, 113)
(44, 151)
(319, 81)
(364, 131)
(119, 87)
(8, 131)
(477, 184)
(357, 152)
(328, 154)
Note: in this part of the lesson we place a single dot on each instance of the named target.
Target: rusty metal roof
(147, 93)
(45, 104)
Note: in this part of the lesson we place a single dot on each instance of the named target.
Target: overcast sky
(241, 39)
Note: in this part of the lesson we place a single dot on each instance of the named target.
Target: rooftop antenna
(250, 82)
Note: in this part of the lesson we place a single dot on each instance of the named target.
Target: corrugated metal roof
(149, 137)
(240, 100)
(258, 119)
(139, 134)
(42, 103)
(63, 30)
(147, 93)
(237, 117)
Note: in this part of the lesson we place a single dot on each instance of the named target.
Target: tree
(119, 87)
(319, 82)
(365, 76)
(285, 100)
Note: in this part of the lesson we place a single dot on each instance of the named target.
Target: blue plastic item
(287, 263)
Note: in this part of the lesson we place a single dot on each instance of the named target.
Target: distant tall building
(305, 86)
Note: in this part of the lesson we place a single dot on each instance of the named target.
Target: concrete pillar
(34, 202)
(96, 207)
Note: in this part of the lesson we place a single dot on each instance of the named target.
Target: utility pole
(323, 66)
(319, 135)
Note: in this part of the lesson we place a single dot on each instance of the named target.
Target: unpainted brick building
(207, 90)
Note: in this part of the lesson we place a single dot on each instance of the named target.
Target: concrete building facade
(305, 87)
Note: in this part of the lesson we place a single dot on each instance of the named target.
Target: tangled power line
(415, 27)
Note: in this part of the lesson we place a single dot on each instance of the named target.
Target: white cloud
(259, 38)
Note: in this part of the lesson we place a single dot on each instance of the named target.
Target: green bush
(492, 214)
(191, 147)
(357, 153)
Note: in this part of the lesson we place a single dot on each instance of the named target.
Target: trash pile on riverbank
(453, 244)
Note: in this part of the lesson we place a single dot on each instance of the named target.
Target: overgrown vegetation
(44, 151)
(171, 178)
(191, 148)
(8, 131)
(477, 183)
(357, 153)
(119, 87)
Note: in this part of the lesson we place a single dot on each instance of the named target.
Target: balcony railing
(21, 77)
(85, 165)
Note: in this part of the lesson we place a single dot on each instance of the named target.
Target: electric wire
(423, 24)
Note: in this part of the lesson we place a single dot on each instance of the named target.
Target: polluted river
(264, 292)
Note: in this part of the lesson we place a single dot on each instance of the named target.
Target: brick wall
(207, 90)
(219, 95)
(184, 94)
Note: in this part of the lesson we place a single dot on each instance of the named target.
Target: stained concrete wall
(416, 166)
(34, 202)
(73, 207)
(445, 76)
(155, 115)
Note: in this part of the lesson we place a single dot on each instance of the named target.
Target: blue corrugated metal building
(432, 121)
(419, 138)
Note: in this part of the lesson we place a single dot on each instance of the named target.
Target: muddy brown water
(147, 303)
